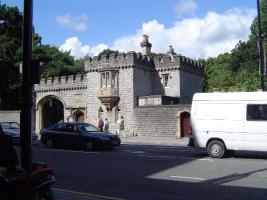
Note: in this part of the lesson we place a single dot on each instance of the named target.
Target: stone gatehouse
(153, 94)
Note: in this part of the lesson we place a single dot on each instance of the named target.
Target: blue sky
(195, 28)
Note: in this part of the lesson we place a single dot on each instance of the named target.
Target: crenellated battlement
(120, 60)
(62, 83)
(78, 78)
(177, 61)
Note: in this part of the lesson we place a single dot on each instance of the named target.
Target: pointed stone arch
(49, 110)
(78, 115)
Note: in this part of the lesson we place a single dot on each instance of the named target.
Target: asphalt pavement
(150, 140)
(142, 140)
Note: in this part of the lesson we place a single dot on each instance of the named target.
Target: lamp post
(261, 49)
(26, 89)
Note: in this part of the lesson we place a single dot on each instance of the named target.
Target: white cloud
(185, 7)
(194, 37)
(76, 47)
(79, 50)
(77, 23)
(95, 50)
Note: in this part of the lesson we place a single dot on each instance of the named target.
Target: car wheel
(216, 149)
(89, 145)
(49, 143)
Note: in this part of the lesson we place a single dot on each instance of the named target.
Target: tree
(107, 52)
(56, 62)
(10, 41)
(237, 71)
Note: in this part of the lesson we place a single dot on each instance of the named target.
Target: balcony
(109, 97)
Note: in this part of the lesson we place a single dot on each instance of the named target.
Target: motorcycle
(18, 185)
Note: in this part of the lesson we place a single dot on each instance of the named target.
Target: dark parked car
(13, 130)
(77, 135)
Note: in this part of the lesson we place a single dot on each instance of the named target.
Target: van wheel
(216, 149)
(89, 145)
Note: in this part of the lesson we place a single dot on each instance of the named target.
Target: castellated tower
(145, 90)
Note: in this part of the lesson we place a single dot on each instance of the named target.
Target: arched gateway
(50, 110)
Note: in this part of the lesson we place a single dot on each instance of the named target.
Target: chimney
(146, 46)
(171, 51)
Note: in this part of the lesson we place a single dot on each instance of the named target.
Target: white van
(231, 121)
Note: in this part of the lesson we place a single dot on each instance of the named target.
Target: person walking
(100, 124)
(106, 126)
(121, 130)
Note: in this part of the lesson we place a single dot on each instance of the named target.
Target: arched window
(117, 114)
(100, 112)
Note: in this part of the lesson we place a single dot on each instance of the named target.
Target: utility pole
(26, 89)
(261, 49)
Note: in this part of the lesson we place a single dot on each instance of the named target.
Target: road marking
(205, 159)
(188, 177)
(147, 156)
(87, 194)
(65, 150)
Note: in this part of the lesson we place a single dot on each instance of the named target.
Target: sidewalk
(150, 140)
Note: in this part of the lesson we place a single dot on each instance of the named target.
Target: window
(87, 127)
(103, 80)
(113, 78)
(10, 125)
(108, 79)
(60, 127)
(165, 79)
(257, 112)
(100, 112)
(117, 114)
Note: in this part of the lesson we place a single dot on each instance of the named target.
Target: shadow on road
(125, 173)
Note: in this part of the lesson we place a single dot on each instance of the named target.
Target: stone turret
(146, 46)
(171, 51)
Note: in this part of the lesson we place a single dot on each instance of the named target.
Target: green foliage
(55, 62)
(107, 52)
(10, 41)
(238, 71)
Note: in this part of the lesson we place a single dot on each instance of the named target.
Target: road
(153, 172)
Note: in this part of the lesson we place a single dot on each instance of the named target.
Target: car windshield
(10, 125)
(87, 127)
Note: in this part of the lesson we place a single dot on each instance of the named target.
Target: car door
(71, 136)
(57, 134)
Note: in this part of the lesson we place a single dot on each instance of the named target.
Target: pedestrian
(100, 124)
(121, 130)
(106, 126)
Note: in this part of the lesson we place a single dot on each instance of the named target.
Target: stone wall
(10, 116)
(142, 83)
(92, 102)
(189, 84)
(157, 120)
(173, 86)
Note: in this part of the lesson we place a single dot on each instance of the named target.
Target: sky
(194, 28)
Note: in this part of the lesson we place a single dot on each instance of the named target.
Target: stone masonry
(114, 86)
